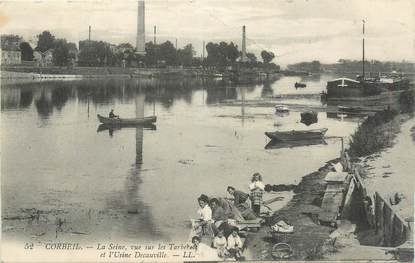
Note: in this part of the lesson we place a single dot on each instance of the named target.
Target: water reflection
(16, 98)
(52, 95)
(218, 94)
(139, 220)
(267, 90)
(114, 128)
(26, 98)
(311, 78)
(140, 176)
(44, 105)
(273, 144)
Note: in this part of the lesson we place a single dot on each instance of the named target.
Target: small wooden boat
(281, 108)
(299, 85)
(119, 121)
(297, 135)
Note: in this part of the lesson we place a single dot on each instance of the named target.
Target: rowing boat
(297, 135)
(299, 85)
(119, 121)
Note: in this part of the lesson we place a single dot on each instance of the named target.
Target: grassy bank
(378, 132)
(374, 134)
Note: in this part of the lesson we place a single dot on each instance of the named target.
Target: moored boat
(299, 85)
(345, 87)
(123, 121)
(364, 87)
(281, 108)
(297, 135)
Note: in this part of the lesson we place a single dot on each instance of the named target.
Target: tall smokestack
(203, 50)
(141, 38)
(243, 58)
(155, 33)
(89, 33)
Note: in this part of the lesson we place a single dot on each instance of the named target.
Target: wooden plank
(336, 177)
(332, 200)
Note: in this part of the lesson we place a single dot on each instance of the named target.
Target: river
(138, 184)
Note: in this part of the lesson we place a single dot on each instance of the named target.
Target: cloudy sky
(295, 30)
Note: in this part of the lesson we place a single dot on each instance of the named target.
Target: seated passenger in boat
(111, 115)
(235, 245)
(220, 243)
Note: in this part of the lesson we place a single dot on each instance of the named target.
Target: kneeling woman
(219, 218)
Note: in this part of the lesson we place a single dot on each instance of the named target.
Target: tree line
(353, 66)
(99, 53)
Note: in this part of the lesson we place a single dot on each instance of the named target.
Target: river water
(135, 184)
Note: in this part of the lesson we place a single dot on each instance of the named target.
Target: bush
(375, 133)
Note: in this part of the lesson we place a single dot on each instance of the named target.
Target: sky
(295, 30)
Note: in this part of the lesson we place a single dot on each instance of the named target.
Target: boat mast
(363, 50)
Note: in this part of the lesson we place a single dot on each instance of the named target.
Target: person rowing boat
(111, 115)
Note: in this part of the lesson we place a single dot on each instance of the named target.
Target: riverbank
(313, 241)
(389, 172)
(26, 74)
(308, 236)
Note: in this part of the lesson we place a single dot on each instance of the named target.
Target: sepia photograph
(207, 130)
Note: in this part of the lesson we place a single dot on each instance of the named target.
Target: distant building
(10, 49)
(37, 57)
(114, 48)
(47, 57)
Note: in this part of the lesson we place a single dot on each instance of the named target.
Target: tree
(232, 52)
(267, 57)
(213, 55)
(45, 41)
(315, 66)
(222, 54)
(60, 52)
(185, 55)
(252, 58)
(126, 46)
(27, 51)
(167, 52)
(150, 57)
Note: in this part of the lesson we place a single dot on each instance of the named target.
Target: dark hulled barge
(345, 87)
(365, 87)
